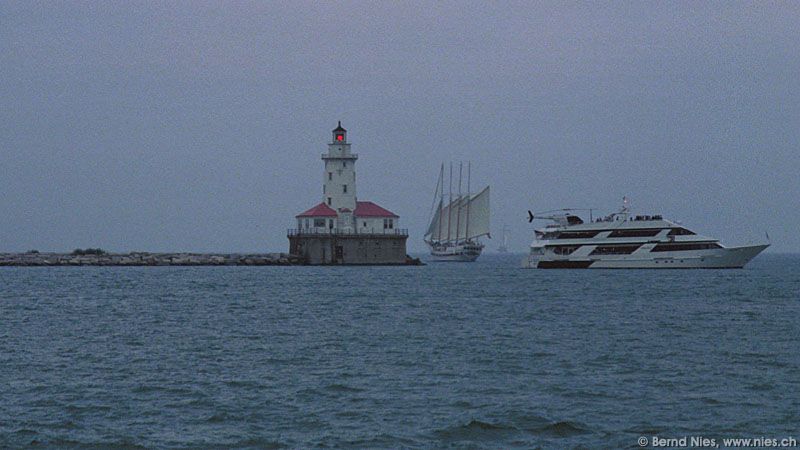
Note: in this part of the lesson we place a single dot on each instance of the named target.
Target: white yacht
(458, 222)
(624, 241)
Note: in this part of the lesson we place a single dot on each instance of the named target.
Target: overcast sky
(198, 126)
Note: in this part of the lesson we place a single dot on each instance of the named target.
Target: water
(481, 355)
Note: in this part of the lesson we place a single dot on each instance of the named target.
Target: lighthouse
(342, 229)
(339, 179)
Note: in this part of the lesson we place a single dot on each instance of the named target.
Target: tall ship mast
(458, 220)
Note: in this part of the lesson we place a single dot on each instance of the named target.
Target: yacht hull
(721, 258)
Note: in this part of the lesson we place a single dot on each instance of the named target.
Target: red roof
(369, 209)
(321, 210)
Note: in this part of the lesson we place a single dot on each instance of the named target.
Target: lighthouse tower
(339, 178)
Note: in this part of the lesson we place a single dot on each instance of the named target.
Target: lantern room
(339, 134)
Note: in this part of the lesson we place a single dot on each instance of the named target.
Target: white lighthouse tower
(339, 179)
(341, 229)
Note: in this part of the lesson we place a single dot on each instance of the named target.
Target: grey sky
(199, 126)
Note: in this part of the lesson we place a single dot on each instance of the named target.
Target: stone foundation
(350, 249)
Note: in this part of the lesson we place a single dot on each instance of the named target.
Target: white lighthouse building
(341, 229)
(339, 178)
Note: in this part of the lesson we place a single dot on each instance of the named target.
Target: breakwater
(150, 259)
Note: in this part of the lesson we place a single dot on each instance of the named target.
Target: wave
(761, 387)
(337, 387)
(243, 384)
(69, 443)
(646, 430)
(561, 429)
(383, 440)
(81, 409)
(475, 430)
(257, 443)
(219, 417)
(149, 388)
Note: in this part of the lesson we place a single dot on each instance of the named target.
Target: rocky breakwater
(149, 259)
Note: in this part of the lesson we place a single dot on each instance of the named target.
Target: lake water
(482, 355)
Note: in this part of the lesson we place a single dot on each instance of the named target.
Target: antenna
(626, 207)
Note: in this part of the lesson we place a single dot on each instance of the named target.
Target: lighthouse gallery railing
(322, 232)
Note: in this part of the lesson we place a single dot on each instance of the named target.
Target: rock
(148, 259)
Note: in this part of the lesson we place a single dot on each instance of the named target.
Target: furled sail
(464, 218)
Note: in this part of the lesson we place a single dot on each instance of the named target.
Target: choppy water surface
(481, 355)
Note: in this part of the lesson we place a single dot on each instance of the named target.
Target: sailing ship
(458, 221)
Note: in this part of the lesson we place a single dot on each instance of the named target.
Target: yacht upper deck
(619, 227)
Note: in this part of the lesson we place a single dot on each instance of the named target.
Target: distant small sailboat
(504, 245)
(455, 228)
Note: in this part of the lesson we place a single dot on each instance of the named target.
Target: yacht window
(574, 220)
(577, 234)
(680, 232)
(614, 249)
(635, 233)
(564, 249)
(685, 247)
